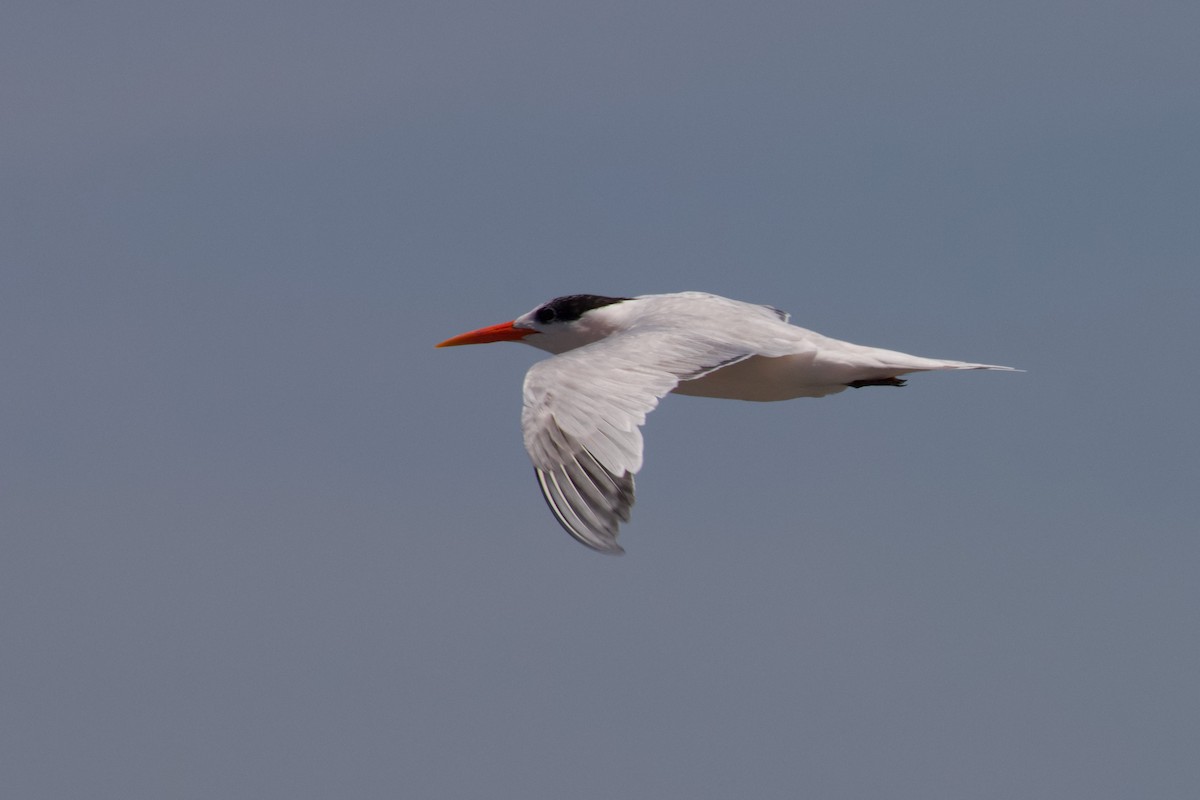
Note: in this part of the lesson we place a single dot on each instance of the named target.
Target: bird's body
(616, 357)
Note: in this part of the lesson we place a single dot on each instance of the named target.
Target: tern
(616, 357)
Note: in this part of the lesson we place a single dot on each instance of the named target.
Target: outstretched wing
(582, 414)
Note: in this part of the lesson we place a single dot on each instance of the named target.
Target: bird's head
(562, 324)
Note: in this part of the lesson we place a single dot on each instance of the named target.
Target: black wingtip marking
(560, 507)
(877, 382)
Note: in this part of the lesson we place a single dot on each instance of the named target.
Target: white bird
(616, 357)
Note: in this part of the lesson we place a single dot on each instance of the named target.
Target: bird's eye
(545, 315)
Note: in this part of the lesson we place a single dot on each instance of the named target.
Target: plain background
(261, 540)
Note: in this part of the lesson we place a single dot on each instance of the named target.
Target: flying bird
(616, 357)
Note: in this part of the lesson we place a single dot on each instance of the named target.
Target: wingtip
(607, 548)
(600, 539)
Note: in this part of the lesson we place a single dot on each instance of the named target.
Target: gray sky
(261, 540)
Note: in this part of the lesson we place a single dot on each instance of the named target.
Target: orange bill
(504, 332)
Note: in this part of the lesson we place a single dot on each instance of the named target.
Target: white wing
(582, 413)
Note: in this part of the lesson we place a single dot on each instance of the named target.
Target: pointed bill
(504, 332)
